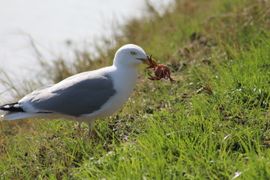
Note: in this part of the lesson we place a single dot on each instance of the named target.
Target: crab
(160, 70)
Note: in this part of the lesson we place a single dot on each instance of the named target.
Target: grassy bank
(213, 123)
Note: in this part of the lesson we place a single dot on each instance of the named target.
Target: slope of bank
(213, 123)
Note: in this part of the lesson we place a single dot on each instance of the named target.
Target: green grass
(213, 123)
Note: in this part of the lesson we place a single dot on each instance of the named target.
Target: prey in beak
(145, 61)
(160, 70)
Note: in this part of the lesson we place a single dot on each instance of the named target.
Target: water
(49, 23)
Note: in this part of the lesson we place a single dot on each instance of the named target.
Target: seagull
(86, 96)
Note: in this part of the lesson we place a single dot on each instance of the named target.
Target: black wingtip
(13, 107)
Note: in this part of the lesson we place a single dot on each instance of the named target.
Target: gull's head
(130, 55)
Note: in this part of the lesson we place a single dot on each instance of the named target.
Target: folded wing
(79, 95)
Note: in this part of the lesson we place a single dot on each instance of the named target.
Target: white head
(129, 55)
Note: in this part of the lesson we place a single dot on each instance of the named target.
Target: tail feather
(17, 115)
(13, 107)
(14, 112)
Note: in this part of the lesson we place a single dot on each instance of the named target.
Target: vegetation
(213, 123)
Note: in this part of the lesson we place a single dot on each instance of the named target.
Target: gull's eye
(133, 53)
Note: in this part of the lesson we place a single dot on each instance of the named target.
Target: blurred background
(33, 33)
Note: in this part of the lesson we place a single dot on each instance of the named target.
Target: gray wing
(81, 94)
